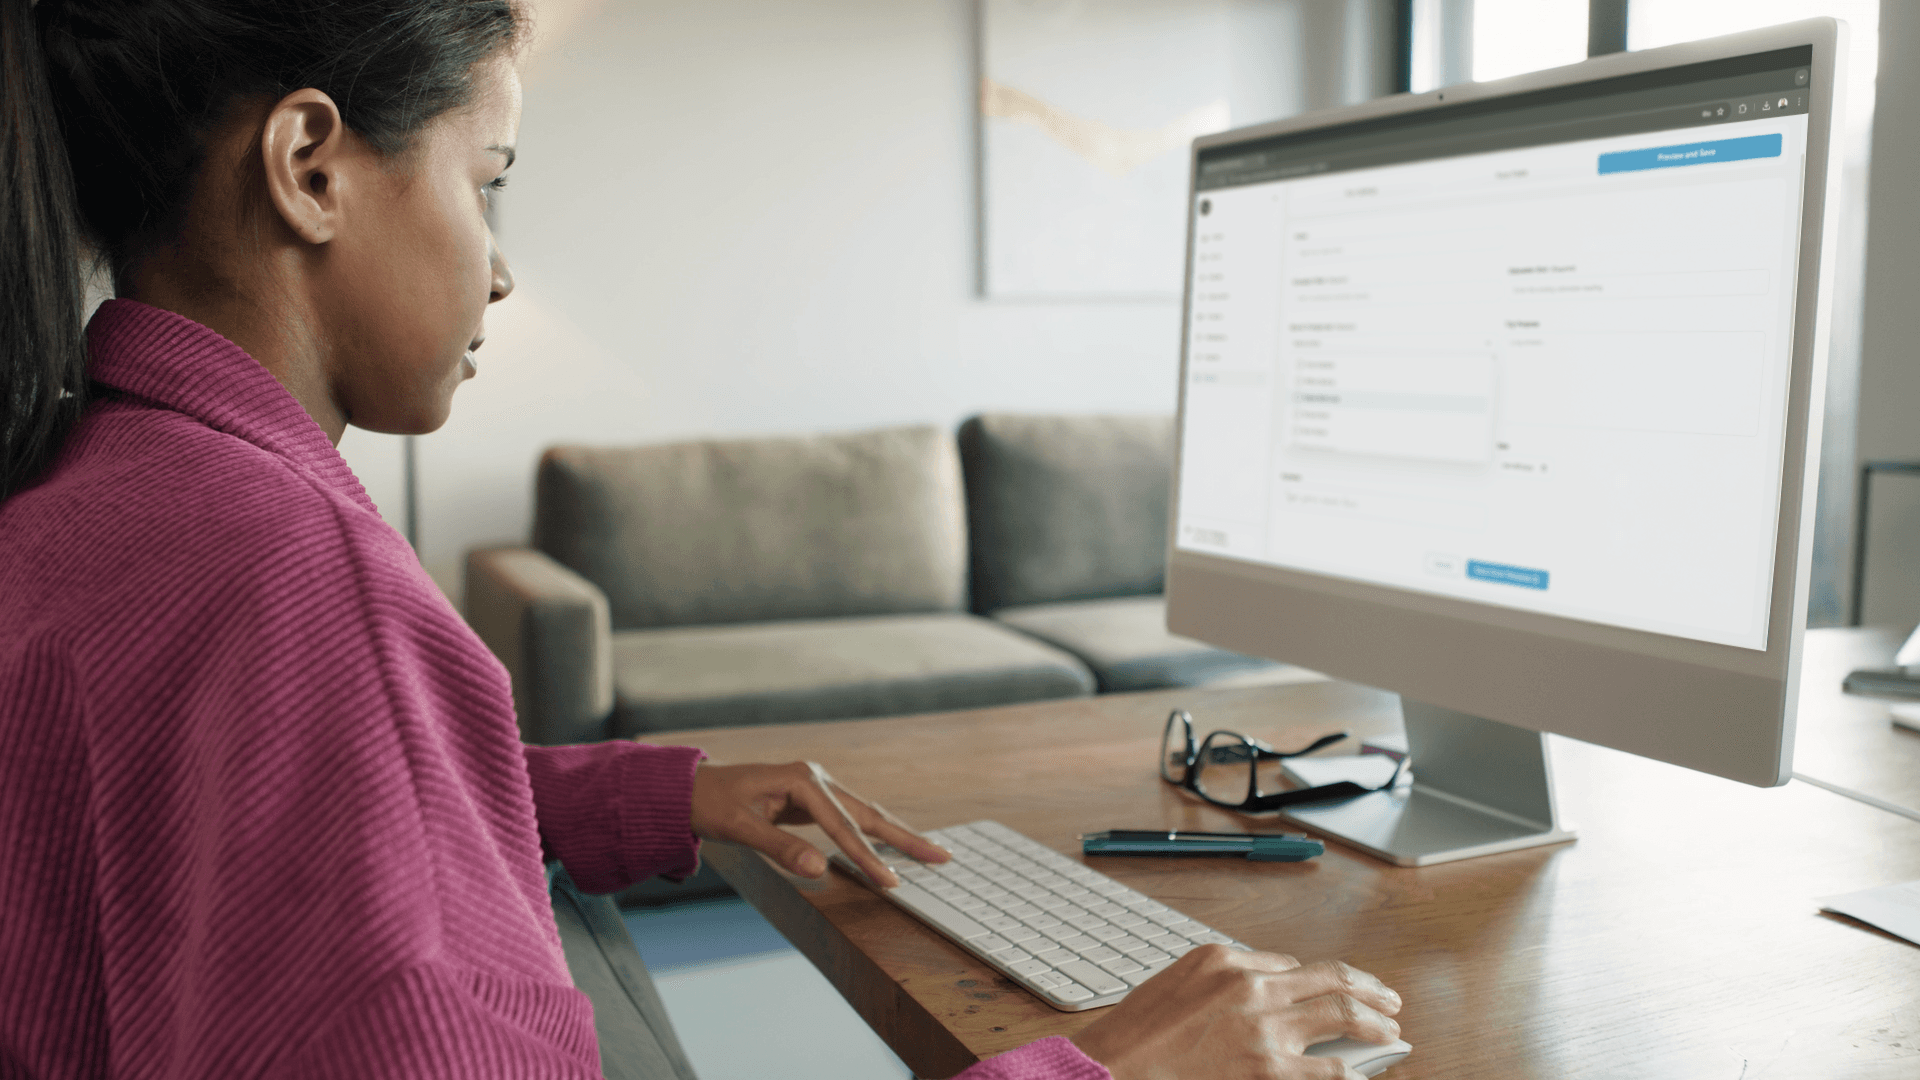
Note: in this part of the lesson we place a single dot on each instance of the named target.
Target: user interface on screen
(1531, 352)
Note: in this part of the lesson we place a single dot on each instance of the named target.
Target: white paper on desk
(1893, 908)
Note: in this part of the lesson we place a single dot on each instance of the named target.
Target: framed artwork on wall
(1086, 110)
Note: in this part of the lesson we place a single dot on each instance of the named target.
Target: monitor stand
(1479, 787)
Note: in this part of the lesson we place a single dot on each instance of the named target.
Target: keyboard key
(1061, 932)
(1214, 938)
(1153, 956)
(1167, 918)
(1128, 919)
(1020, 933)
(1086, 922)
(1108, 888)
(1048, 902)
(1165, 941)
(992, 943)
(1091, 977)
(1135, 978)
(1078, 942)
(1146, 907)
(1099, 954)
(1070, 912)
(1182, 949)
(1104, 932)
(973, 905)
(1130, 945)
(1072, 993)
(1075, 892)
(1120, 965)
(956, 923)
(1029, 966)
(1057, 956)
(1193, 931)
(1047, 980)
(1002, 923)
(1012, 956)
(1108, 910)
(1023, 912)
(1040, 920)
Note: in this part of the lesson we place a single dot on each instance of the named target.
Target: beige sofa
(789, 580)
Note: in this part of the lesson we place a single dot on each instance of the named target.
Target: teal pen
(1256, 847)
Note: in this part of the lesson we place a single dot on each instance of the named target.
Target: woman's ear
(304, 146)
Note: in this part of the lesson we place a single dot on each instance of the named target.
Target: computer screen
(1534, 356)
(1528, 371)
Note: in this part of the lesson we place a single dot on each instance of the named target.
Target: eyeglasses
(1232, 771)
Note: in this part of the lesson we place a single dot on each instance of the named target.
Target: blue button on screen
(1507, 575)
(1700, 153)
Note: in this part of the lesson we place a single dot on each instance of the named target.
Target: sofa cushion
(1126, 643)
(1066, 508)
(760, 529)
(830, 669)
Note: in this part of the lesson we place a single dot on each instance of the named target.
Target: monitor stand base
(1480, 787)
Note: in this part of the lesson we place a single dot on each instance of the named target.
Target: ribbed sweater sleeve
(615, 813)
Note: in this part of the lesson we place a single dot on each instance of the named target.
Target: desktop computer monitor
(1507, 398)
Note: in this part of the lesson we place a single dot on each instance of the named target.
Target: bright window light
(1515, 36)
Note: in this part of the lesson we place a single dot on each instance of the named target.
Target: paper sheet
(1893, 908)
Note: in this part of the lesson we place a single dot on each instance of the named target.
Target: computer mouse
(1363, 1058)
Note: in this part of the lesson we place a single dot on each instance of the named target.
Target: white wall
(738, 217)
(1889, 424)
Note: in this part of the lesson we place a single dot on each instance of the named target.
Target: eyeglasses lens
(1175, 746)
(1223, 772)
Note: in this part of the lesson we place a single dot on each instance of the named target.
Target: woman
(263, 809)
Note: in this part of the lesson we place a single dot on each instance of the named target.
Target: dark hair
(104, 108)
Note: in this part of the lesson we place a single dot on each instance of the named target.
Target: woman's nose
(502, 276)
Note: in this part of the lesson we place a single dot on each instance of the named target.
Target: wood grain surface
(1678, 937)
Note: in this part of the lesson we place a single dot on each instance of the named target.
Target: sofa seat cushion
(829, 669)
(1126, 643)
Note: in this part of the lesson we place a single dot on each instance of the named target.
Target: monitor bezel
(1732, 708)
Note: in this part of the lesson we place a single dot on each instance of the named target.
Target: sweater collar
(177, 363)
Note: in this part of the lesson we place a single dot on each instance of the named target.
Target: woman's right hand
(1222, 1014)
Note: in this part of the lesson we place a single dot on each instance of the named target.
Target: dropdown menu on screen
(1438, 408)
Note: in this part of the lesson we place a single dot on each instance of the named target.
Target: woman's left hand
(744, 804)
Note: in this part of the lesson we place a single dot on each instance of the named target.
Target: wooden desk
(1677, 938)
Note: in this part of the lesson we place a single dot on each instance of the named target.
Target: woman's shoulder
(147, 502)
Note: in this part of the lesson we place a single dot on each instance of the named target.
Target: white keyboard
(1073, 936)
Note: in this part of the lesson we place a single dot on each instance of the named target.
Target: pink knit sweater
(263, 806)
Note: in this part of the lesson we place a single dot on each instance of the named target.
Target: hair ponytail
(43, 349)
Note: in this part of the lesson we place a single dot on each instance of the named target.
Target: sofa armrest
(551, 629)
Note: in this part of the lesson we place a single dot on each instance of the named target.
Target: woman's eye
(498, 183)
